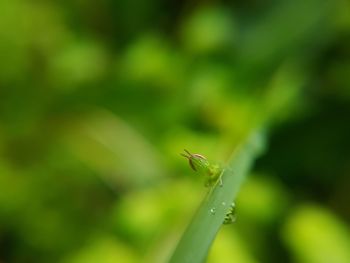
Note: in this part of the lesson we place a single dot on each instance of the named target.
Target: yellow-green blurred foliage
(98, 98)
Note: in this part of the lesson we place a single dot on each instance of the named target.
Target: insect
(199, 163)
(231, 215)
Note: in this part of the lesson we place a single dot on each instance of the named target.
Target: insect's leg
(220, 178)
(220, 182)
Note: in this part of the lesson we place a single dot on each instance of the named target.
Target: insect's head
(196, 161)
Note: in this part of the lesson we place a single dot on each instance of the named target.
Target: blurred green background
(98, 98)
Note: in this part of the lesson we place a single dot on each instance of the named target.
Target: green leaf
(199, 235)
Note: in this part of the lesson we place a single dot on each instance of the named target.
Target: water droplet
(212, 211)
